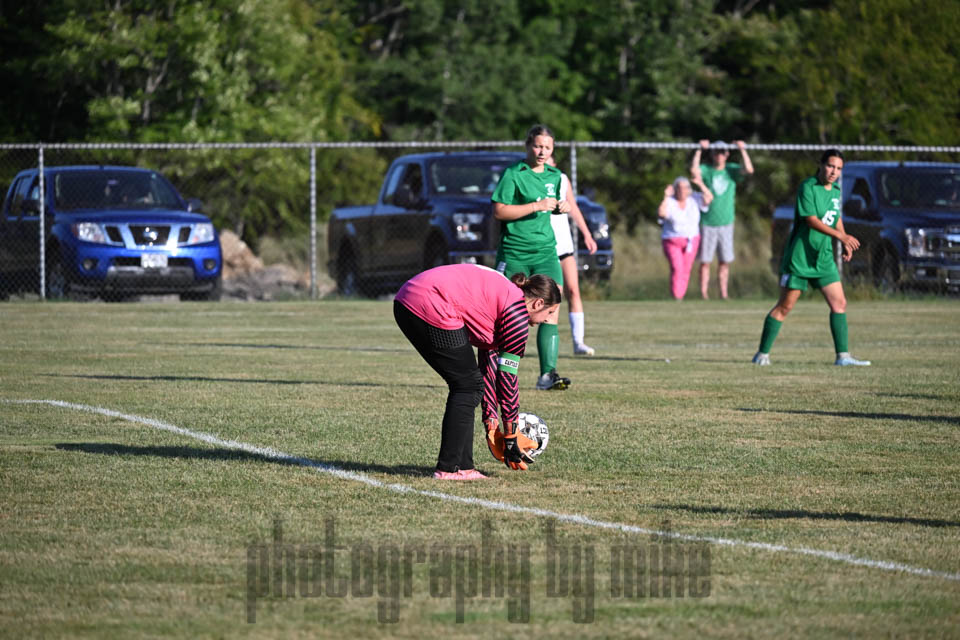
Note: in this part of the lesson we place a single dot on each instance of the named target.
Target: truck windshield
(922, 189)
(113, 190)
(465, 178)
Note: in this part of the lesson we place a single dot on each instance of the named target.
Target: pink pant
(681, 257)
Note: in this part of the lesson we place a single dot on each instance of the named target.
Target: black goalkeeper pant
(451, 355)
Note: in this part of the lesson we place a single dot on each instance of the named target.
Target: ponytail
(538, 286)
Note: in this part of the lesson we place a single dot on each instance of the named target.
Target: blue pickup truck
(433, 209)
(109, 231)
(906, 216)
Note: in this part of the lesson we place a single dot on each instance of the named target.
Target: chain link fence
(319, 220)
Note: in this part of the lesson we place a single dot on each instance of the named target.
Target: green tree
(467, 69)
(34, 107)
(879, 72)
(225, 70)
(643, 70)
(220, 71)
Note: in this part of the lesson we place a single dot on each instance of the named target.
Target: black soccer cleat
(551, 381)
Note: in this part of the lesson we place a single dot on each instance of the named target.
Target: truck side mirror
(30, 207)
(855, 206)
(404, 197)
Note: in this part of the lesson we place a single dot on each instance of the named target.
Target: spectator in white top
(679, 213)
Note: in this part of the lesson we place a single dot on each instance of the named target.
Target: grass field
(193, 465)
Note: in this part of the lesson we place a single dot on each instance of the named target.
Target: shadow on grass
(794, 514)
(393, 350)
(912, 396)
(220, 453)
(954, 420)
(231, 380)
(604, 358)
(240, 345)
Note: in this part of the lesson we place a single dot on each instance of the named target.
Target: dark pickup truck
(433, 209)
(906, 216)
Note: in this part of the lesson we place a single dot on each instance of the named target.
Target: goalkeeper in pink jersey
(448, 310)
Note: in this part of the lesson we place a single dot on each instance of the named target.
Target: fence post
(313, 222)
(837, 245)
(573, 166)
(43, 229)
(574, 229)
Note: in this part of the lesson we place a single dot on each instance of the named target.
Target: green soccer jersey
(809, 253)
(723, 185)
(529, 237)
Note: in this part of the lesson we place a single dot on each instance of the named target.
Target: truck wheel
(348, 281)
(213, 295)
(216, 293)
(436, 255)
(58, 283)
(887, 278)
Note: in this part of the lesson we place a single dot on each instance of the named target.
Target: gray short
(717, 240)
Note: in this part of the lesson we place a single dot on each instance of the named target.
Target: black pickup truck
(433, 209)
(906, 216)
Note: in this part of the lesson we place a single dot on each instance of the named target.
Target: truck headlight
(201, 233)
(468, 226)
(601, 231)
(89, 232)
(917, 242)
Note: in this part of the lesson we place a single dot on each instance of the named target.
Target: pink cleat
(469, 474)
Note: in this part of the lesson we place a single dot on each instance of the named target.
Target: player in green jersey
(808, 259)
(525, 198)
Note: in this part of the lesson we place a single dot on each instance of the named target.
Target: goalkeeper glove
(494, 438)
(514, 455)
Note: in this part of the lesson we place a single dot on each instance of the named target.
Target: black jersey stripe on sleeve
(511, 332)
(488, 368)
(513, 328)
(508, 388)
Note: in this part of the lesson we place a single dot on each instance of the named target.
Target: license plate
(153, 261)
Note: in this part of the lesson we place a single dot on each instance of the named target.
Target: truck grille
(149, 235)
(948, 243)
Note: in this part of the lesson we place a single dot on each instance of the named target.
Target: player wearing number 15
(808, 258)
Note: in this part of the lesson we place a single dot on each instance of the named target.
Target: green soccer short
(791, 281)
(546, 266)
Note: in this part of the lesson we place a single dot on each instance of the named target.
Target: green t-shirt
(531, 236)
(723, 184)
(809, 253)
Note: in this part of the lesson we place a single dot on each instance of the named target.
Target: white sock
(576, 327)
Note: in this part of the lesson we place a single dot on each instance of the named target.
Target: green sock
(771, 328)
(838, 327)
(548, 345)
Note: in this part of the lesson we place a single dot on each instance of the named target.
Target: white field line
(496, 505)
